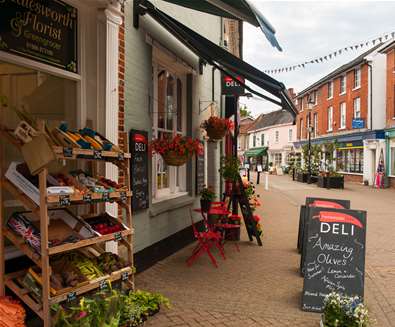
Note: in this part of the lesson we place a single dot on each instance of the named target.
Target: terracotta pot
(173, 159)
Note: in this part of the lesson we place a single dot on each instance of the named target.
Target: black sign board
(138, 142)
(249, 221)
(200, 175)
(317, 202)
(42, 30)
(232, 87)
(335, 255)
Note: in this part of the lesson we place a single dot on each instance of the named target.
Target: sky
(307, 30)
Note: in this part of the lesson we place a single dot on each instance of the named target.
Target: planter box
(301, 177)
(330, 182)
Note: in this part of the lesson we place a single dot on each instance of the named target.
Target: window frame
(315, 124)
(262, 139)
(344, 79)
(330, 121)
(290, 132)
(359, 74)
(176, 184)
(276, 136)
(348, 159)
(359, 107)
(330, 87)
(343, 124)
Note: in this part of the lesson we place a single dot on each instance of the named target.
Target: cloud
(308, 30)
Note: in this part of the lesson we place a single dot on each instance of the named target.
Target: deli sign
(41, 30)
(231, 86)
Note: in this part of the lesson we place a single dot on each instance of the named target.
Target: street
(261, 286)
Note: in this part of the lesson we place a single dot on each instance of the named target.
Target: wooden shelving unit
(42, 260)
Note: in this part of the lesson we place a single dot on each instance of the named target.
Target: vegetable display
(109, 309)
(105, 224)
(12, 314)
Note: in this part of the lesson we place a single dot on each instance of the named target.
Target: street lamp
(310, 130)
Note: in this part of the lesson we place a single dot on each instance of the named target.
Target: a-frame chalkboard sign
(241, 199)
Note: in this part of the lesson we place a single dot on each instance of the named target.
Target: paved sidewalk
(261, 286)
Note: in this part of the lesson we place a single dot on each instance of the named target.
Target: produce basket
(104, 224)
(215, 133)
(64, 228)
(173, 159)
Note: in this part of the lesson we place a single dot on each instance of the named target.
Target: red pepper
(338, 217)
(326, 204)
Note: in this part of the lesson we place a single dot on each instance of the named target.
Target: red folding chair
(206, 240)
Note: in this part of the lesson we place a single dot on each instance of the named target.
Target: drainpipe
(371, 95)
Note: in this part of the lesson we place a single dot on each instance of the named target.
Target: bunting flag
(382, 38)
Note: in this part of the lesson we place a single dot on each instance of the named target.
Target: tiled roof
(338, 71)
(273, 118)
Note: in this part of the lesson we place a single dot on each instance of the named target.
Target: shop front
(60, 72)
(390, 155)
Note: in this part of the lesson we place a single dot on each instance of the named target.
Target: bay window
(167, 122)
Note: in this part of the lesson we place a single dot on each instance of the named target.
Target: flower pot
(205, 205)
(215, 133)
(173, 159)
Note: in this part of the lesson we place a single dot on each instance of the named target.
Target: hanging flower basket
(176, 150)
(173, 159)
(216, 127)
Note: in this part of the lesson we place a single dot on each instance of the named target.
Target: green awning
(256, 152)
(235, 9)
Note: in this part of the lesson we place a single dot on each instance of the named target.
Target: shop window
(168, 121)
(392, 162)
(277, 159)
(343, 82)
(343, 115)
(357, 77)
(350, 160)
(43, 96)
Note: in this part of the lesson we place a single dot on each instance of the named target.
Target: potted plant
(230, 171)
(340, 310)
(217, 127)
(176, 150)
(206, 197)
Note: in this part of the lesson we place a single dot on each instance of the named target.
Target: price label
(106, 196)
(71, 296)
(123, 196)
(103, 285)
(87, 198)
(64, 200)
(125, 276)
(97, 154)
(68, 152)
(121, 156)
(118, 236)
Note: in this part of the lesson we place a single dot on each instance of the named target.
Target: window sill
(342, 128)
(356, 88)
(343, 93)
(345, 173)
(170, 203)
(329, 131)
(330, 98)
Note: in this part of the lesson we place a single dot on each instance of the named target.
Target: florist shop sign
(42, 30)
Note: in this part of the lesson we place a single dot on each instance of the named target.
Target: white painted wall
(371, 157)
(378, 62)
(269, 135)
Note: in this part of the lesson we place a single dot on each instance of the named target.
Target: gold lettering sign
(44, 30)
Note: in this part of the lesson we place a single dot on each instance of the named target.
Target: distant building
(242, 140)
(271, 138)
(389, 51)
(347, 107)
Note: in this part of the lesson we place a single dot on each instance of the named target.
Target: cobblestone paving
(261, 286)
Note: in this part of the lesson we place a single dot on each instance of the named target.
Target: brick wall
(390, 92)
(353, 178)
(323, 103)
(121, 101)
